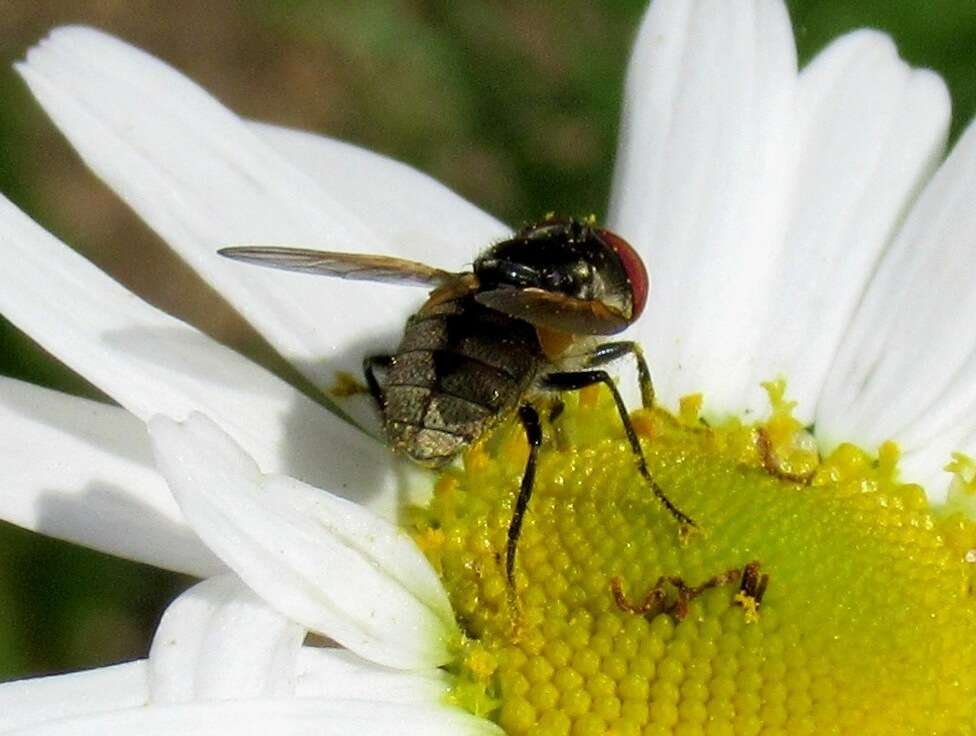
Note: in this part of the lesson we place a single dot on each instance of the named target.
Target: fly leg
(606, 353)
(610, 351)
(533, 433)
(555, 411)
(370, 365)
(575, 380)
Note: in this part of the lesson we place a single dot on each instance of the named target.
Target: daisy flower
(808, 246)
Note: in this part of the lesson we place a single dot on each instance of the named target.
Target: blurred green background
(513, 104)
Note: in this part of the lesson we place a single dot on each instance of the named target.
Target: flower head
(793, 223)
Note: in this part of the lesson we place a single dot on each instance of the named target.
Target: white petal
(28, 703)
(870, 131)
(701, 183)
(83, 471)
(202, 179)
(907, 367)
(295, 717)
(417, 216)
(338, 673)
(324, 562)
(219, 641)
(152, 363)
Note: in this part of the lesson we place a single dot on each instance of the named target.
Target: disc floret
(865, 623)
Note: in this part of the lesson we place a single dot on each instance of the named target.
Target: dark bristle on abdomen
(459, 367)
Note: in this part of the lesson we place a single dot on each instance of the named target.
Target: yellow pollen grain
(749, 605)
(481, 663)
(346, 384)
(643, 422)
(430, 540)
(888, 456)
(867, 624)
(590, 395)
(689, 409)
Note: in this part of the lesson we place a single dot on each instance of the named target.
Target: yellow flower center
(620, 624)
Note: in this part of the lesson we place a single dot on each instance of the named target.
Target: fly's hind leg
(533, 433)
(575, 380)
(370, 365)
(610, 351)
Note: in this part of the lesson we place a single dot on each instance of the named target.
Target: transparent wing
(356, 266)
(555, 311)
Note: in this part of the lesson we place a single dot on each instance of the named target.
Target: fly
(488, 339)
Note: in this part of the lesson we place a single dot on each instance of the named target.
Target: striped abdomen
(458, 368)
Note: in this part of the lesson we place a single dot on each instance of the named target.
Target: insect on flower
(489, 341)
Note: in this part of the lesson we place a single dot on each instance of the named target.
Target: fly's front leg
(533, 433)
(610, 351)
(370, 365)
(573, 381)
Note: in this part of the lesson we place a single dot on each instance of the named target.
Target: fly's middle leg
(607, 353)
(575, 380)
(533, 433)
(610, 351)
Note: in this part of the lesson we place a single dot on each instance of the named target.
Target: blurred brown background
(513, 104)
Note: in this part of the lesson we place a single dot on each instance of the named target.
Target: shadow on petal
(110, 519)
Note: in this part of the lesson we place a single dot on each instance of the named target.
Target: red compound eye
(637, 277)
